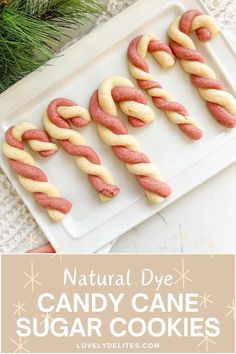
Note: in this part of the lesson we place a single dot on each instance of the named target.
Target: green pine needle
(31, 32)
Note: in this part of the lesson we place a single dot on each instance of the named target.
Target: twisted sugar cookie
(31, 177)
(175, 112)
(221, 103)
(61, 109)
(115, 133)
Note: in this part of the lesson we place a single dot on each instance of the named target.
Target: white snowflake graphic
(20, 346)
(206, 340)
(205, 299)
(46, 316)
(182, 274)
(32, 278)
(19, 308)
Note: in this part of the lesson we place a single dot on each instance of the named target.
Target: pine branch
(69, 12)
(31, 32)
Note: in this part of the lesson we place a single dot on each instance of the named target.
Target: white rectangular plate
(75, 75)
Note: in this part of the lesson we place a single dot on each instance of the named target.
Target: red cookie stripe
(202, 82)
(35, 134)
(133, 56)
(169, 106)
(152, 185)
(157, 46)
(13, 141)
(147, 85)
(28, 171)
(123, 93)
(128, 156)
(185, 25)
(222, 115)
(185, 53)
(60, 204)
(102, 187)
(79, 150)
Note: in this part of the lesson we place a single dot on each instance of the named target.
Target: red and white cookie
(115, 133)
(221, 104)
(57, 118)
(139, 69)
(32, 178)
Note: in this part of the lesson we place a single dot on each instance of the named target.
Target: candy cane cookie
(115, 133)
(31, 177)
(139, 69)
(221, 104)
(57, 118)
